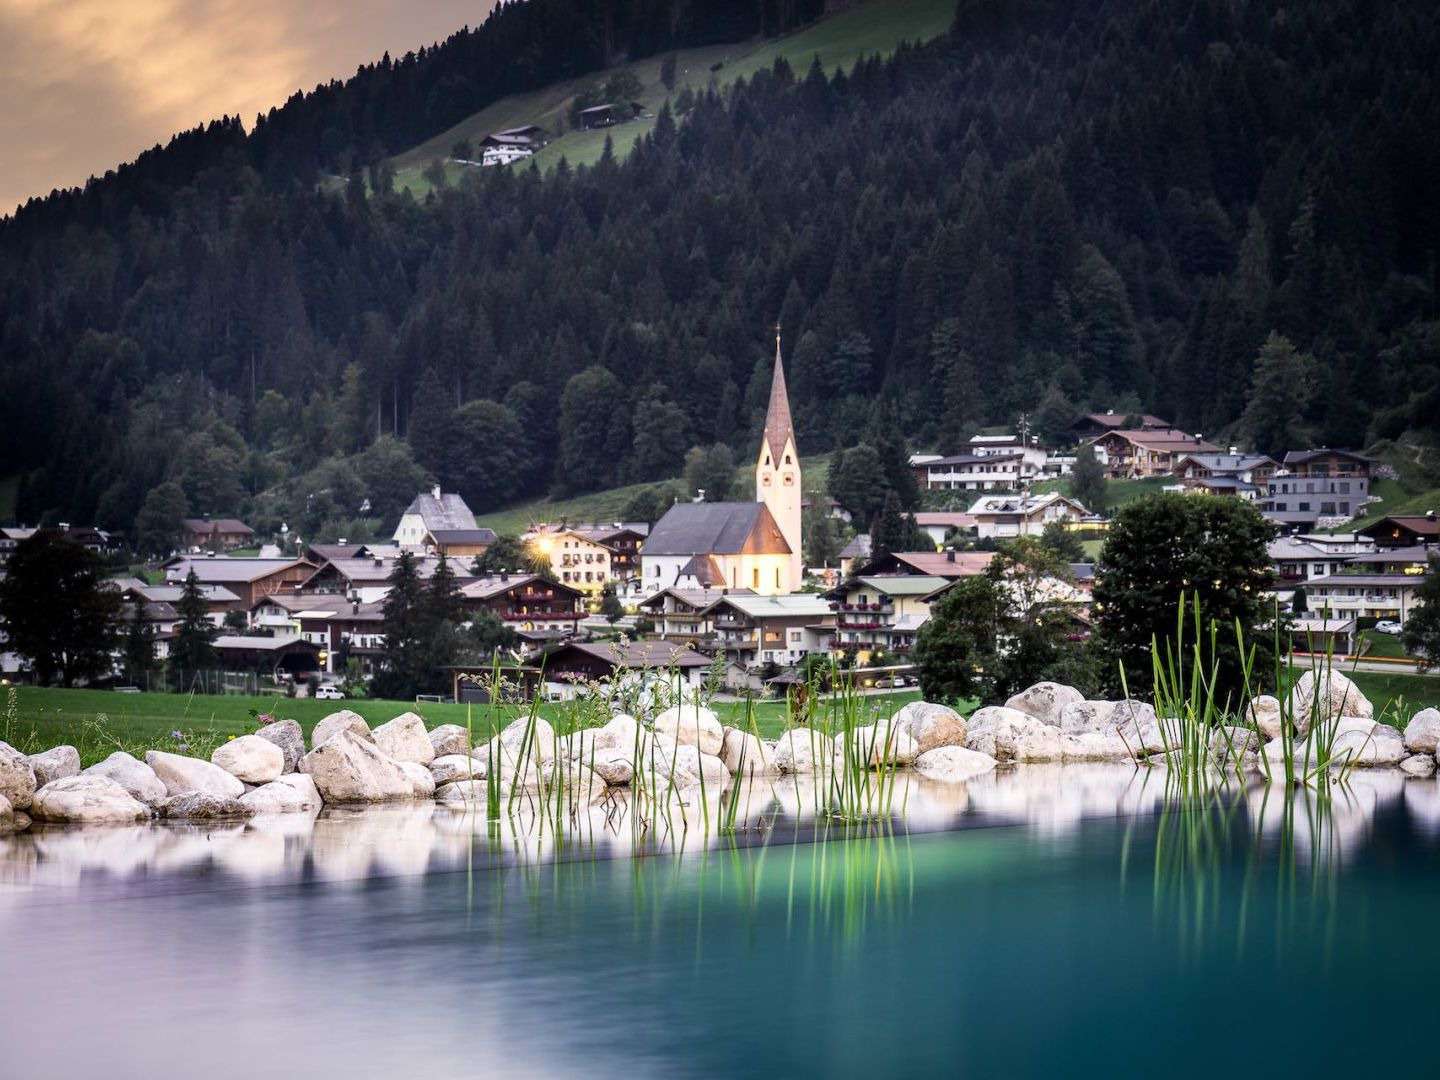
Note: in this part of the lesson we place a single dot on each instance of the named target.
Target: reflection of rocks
(953, 764)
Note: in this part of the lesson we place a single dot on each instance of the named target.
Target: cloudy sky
(87, 84)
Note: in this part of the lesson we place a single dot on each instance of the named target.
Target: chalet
(248, 579)
(1137, 453)
(1404, 530)
(1092, 424)
(609, 114)
(1242, 475)
(527, 136)
(1363, 595)
(623, 539)
(341, 629)
(439, 523)
(320, 554)
(1297, 560)
(160, 618)
(526, 603)
(1032, 456)
(1002, 516)
(971, 472)
(950, 565)
(1411, 560)
(575, 559)
(216, 534)
(683, 614)
(752, 630)
(1313, 487)
(881, 613)
(625, 662)
(219, 600)
(367, 578)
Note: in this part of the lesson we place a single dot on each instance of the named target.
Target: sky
(88, 84)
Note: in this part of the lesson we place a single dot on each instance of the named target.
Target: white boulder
(137, 778)
(55, 764)
(405, 739)
(204, 806)
(87, 799)
(1422, 734)
(621, 732)
(519, 740)
(422, 784)
(1323, 697)
(742, 750)
(878, 744)
(930, 725)
(1044, 701)
(953, 764)
(798, 750)
(344, 720)
(1265, 712)
(17, 777)
(250, 758)
(286, 734)
(615, 767)
(449, 739)
(292, 793)
(1421, 765)
(689, 767)
(180, 774)
(1007, 735)
(690, 725)
(1093, 746)
(1132, 723)
(1377, 747)
(451, 767)
(349, 768)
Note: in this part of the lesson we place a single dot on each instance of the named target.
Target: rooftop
(803, 605)
(903, 584)
(441, 510)
(720, 528)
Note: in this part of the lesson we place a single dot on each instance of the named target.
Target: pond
(1065, 920)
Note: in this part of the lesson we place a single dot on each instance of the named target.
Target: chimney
(1234, 451)
(355, 607)
(435, 491)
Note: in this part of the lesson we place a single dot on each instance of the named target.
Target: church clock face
(789, 479)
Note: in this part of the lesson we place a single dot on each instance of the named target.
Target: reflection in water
(501, 946)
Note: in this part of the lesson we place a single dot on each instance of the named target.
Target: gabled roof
(327, 552)
(973, 459)
(1023, 505)
(217, 525)
(903, 584)
(259, 643)
(1417, 554)
(441, 510)
(697, 599)
(486, 588)
(857, 548)
(944, 564)
(170, 594)
(796, 605)
(705, 570)
(1420, 524)
(948, 518)
(1115, 420)
(778, 426)
(1300, 457)
(222, 569)
(721, 528)
(1234, 463)
(463, 536)
(1162, 440)
(636, 654)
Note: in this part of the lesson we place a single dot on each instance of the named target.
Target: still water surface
(1078, 935)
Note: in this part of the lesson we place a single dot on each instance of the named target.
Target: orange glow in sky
(88, 84)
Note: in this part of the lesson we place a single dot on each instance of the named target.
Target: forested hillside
(1110, 204)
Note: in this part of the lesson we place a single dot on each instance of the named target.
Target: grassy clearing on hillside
(840, 40)
(1117, 492)
(98, 722)
(608, 505)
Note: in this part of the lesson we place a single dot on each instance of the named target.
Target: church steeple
(777, 471)
(778, 426)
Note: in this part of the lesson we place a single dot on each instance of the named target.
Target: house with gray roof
(439, 523)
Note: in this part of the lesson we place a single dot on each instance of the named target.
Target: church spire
(778, 425)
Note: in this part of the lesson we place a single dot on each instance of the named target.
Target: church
(753, 546)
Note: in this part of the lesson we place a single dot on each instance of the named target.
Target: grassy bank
(99, 722)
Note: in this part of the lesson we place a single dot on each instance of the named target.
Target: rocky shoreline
(686, 747)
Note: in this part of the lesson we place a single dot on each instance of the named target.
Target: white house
(1001, 516)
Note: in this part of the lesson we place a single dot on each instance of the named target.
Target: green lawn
(877, 26)
(1385, 646)
(1400, 695)
(98, 722)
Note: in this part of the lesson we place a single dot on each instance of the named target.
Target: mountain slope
(1058, 206)
(838, 40)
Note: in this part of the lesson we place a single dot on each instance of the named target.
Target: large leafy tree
(957, 650)
(161, 522)
(55, 610)
(1163, 550)
(486, 459)
(857, 481)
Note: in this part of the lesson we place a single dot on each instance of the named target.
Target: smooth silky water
(1053, 921)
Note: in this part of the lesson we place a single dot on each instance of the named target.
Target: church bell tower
(777, 469)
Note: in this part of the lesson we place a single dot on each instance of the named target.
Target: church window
(789, 460)
(755, 578)
(767, 461)
(777, 579)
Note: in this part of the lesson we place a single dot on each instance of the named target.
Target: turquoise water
(1252, 938)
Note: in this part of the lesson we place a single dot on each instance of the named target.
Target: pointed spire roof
(778, 426)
